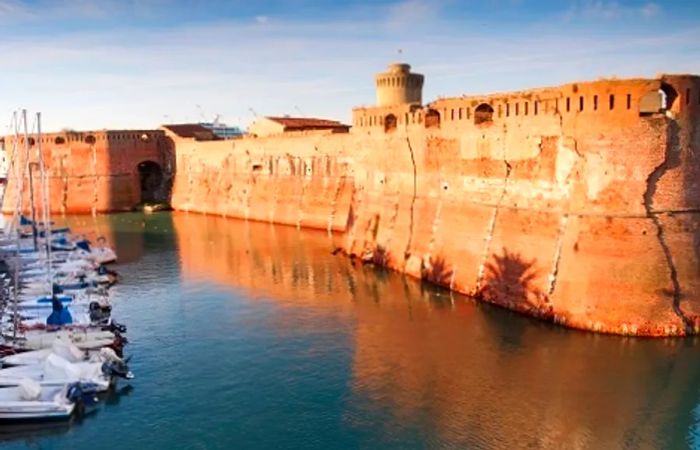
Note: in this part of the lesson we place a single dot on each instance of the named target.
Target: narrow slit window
(580, 103)
(568, 104)
(612, 102)
(595, 103)
(526, 108)
(536, 106)
(517, 108)
(629, 101)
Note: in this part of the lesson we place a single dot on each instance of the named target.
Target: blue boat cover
(59, 315)
(84, 244)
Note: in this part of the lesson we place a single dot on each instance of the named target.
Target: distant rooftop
(306, 123)
(193, 131)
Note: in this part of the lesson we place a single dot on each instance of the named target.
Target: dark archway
(151, 181)
(483, 114)
(432, 119)
(389, 123)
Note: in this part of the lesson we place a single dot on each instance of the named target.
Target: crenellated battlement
(613, 102)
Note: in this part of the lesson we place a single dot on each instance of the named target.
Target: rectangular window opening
(537, 103)
(580, 103)
(595, 103)
(568, 104)
(517, 108)
(612, 102)
(629, 101)
(526, 108)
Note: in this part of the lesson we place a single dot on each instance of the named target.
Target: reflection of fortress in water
(577, 204)
(472, 376)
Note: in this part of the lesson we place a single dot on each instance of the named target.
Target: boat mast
(31, 183)
(19, 187)
(45, 205)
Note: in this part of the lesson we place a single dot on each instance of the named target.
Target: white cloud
(262, 19)
(609, 10)
(134, 77)
(408, 14)
(650, 10)
(13, 10)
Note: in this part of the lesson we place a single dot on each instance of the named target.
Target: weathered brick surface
(94, 171)
(589, 217)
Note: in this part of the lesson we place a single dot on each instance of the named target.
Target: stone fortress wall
(92, 171)
(579, 204)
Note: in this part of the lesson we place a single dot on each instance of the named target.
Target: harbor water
(254, 336)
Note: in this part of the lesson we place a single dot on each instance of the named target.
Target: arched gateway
(152, 182)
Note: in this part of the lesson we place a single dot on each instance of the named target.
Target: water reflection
(446, 370)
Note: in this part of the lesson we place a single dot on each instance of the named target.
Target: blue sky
(137, 64)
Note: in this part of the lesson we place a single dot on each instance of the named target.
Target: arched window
(59, 140)
(389, 123)
(432, 119)
(483, 114)
(658, 101)
(90, 139)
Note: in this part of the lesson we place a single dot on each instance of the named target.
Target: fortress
(578, 204)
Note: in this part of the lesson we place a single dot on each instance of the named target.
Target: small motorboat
(57, 371)
(65, 350)
(83, 338)
(30, 401)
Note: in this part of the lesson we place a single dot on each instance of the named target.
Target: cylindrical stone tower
(398, 86)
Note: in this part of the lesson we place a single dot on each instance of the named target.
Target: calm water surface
(252, 336)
